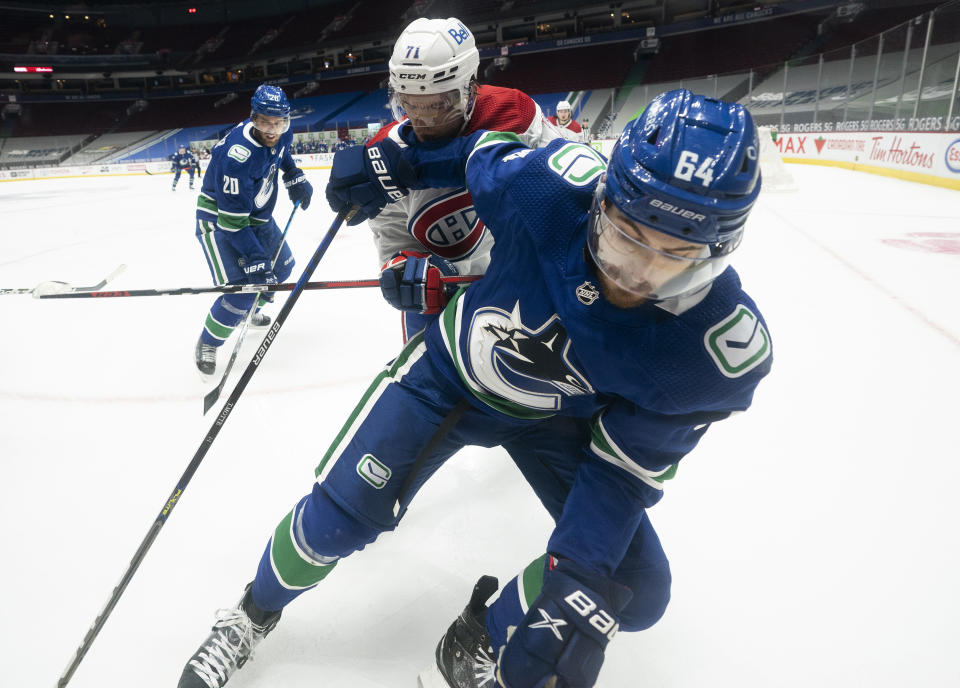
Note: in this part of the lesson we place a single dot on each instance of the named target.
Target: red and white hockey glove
(411, 281)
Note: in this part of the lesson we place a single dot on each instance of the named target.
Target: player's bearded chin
(612, 292)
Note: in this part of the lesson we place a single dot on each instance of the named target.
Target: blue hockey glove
(257, 270)
(410, 281)
(368, 177)
(565, 632)
(298, 188)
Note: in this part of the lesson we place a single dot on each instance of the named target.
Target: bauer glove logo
(549, 622)
(581, 603)
(383, 174)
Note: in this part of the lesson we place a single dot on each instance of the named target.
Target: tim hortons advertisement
(933, 158)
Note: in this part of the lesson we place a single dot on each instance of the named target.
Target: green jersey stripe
(394, 372)
(603, 446)
(492, 138)
(218, 330)
(232, 223)
(292, 567)
(212, 252)
(530, 582)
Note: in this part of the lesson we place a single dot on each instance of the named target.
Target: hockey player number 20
(687, 168)
(231, 185)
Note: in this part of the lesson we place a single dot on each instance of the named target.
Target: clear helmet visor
(271, 126)
(641, 264)
(431, 110)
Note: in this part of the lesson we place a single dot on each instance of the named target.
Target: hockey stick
(55, 287)
(446, 425)
(240, 288)
(211, 397)
(202, 450)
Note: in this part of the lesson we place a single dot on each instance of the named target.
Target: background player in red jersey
(564, 120)
(434, 95)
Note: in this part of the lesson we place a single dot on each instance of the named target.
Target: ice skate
(205, 356)
(464, 657)
(230, 644)
(260, 320)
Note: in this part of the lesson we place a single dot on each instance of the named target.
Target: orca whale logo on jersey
(448, 225)
(529, 366)
(266, 186)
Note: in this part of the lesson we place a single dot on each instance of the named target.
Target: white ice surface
(814, 540)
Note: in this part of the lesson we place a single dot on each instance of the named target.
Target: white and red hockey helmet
(434, 56)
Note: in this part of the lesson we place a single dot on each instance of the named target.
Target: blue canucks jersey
(536, 337)
(183, 161)
(240, 185)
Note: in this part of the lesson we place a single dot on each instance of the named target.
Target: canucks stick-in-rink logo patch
(238, 152)
(577, 163)
(374, 472)
(529, 366)
(738, 343)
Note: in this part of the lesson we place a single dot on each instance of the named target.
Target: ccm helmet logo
(412, 77)
(677, 210)
(383, 175)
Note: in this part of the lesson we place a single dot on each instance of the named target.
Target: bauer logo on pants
(374, 472)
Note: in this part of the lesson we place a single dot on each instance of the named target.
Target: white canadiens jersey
(443, 221)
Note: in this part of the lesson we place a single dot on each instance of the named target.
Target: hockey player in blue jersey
(607, 335)
(235, 223)
(183, 161)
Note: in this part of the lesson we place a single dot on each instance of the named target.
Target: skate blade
(431, 678)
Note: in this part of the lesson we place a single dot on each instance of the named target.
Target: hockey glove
(565, 632)
(368, 177)
(298, 188)
(410, 281)
(258, 271)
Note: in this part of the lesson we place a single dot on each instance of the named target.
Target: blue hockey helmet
(687, 167)
(270, 101)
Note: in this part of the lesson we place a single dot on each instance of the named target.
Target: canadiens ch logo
(529, 366)
(448, 225)
(587, 293)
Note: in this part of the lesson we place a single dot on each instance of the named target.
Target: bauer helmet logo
(677, 210)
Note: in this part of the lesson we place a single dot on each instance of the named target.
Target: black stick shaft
(201, 451)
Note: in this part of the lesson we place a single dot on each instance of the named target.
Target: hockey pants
(358, 485)
(224, 262)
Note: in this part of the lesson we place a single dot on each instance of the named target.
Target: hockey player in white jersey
(569, 127)
(434, 95)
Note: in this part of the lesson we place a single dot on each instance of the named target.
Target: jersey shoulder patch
(738, 343)
(578, 164)
(238, 152)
